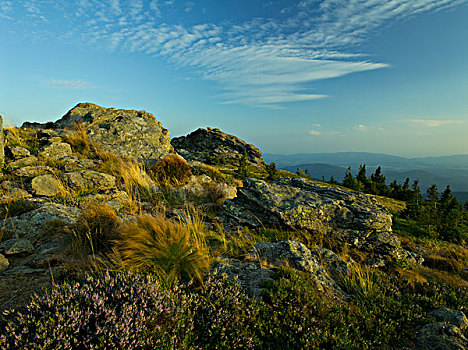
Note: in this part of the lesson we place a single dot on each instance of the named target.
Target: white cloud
(74, 84)
(315, 132)
(263, 62)
(432, 123)
(361, 127)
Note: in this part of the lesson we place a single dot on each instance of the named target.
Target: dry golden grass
(78, 139)
(131, 175)
(166, 248)
(95, 229)
(171, 171)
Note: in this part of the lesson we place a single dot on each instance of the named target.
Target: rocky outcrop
(265, 257)
(294, 203)
(127, 133)
(212, 145)
(446, 333)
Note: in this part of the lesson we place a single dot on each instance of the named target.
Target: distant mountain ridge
(443, 171)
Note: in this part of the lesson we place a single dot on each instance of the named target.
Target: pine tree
(348, 179)
(242, 171)
(272, 171)
(414, 203)
(379, 185)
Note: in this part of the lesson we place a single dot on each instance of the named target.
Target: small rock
(454, 317)
(30, 171)
(250, 275)
(55, 150)
(441, 336)
(47, 185)
(74, 163)
(16, 246)
(23, 162)
(16, 152)
(24, 270)
(297, 256)
(90, 179)
(4, 263)
(331, 262)
(375, 262)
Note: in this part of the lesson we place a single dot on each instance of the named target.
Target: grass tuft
(166, 248)
(171, 171)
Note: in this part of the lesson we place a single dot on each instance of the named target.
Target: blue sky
(385, 76)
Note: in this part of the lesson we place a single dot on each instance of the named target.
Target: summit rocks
(127, 133)
(207, 145)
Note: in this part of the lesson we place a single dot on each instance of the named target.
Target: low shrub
(97, 227)
(130, 311)
(171, 171)
(166, 248)
(125, 311)
(300, 318)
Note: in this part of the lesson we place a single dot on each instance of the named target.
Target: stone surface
(454, 317)
(16, 152)
(16, 246)
(24, 270)
(127, 133)
(32, 225)
(47, 185)
(4, 263)
(267, 256)
(249, 274)
(29, 171)
(296, 255)
(55, 150)
(23, 162)
(295, 203)
(90, 179)
(331, 262)
(207, 144)
(11, 191)
(441, 336)
(74, 163)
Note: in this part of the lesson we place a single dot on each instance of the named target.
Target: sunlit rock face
(294, 203)
(207, 145)
(127, 133)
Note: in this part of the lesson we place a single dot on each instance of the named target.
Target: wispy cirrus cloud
(432, 123)
(262, 62)
(73, 84)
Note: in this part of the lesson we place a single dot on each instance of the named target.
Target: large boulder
(294, 203)
(33, 224)
(127, 133)
(265, 257)
(210, 145)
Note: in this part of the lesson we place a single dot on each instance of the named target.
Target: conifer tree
(242, 171)
(272, 171)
